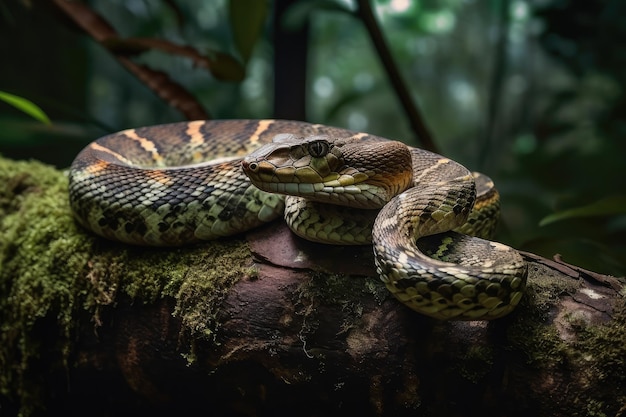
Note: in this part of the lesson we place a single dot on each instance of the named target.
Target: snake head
(344, 171)
(292, 160)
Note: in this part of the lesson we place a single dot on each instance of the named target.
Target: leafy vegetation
(25, 106)
(529, 92)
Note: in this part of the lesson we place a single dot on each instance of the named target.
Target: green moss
(197, 277)
(602, 348)
(54, 272)
(594, 409)
(477, 363)
(41, 264)
(543, 344)
(593, 355)
(334, 289)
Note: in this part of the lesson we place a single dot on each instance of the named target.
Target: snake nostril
(252, 166)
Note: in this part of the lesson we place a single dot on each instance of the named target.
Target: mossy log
(268, 324)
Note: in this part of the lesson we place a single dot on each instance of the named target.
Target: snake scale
(185, 182)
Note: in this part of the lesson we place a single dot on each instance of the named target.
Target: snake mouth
(346, 189)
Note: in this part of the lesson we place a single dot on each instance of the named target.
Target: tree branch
(269, 324)
(402, 91)
(103, 32)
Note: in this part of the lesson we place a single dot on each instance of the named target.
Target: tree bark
(269, 324)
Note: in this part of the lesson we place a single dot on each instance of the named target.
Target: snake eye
(249, 166)
(318, 148)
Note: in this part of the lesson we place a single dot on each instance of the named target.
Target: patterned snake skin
(181, 183)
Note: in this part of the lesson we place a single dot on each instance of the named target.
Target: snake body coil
(180, 183)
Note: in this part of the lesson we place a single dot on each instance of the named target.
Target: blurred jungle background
(529, 92)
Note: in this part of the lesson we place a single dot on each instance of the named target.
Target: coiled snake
(154, 186)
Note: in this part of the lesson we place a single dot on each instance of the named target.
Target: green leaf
(26, 106)
(608, 206)
(246, 20)
(226, 67)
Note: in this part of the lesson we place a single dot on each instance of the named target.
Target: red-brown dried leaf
(222, 66)
(104, 33)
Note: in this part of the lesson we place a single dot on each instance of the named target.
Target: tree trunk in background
(290, 66)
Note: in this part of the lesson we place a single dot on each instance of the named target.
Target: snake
(428, 218)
